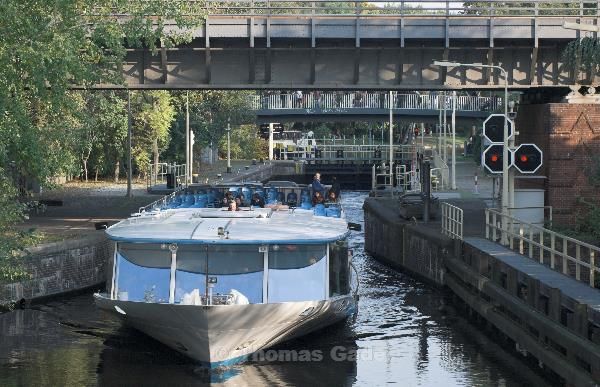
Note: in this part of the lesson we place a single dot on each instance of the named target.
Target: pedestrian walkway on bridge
(274, 106)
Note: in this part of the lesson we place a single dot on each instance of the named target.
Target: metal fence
(404, 9)
(452, 221)
(159, 175)
(561, 253)
(364, 100)
(440, 171)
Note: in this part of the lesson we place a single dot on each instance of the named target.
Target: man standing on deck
(317, 186)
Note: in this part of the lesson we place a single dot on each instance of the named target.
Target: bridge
(368, 106)
(260, 44)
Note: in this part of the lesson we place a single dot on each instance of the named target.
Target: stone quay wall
(61, 267)
(409, 247)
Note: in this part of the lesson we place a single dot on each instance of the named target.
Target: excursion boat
(218, 284)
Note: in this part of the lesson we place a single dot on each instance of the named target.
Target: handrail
(452, 221)
(342, 151)
(330, 102)
(403, 9)
(547, 245)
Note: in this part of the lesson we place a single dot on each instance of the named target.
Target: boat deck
(202, 225)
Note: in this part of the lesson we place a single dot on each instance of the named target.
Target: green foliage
(153, 113)
(209, 113)
(10, 240)
(588, 222)
(49, 46)
(501, 8)
(582, 54)
(245, 144)
(594, 171)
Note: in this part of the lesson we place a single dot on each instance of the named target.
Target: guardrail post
(461, 224)
(564, 256)
(531, 244)
(552, 249)
(487, 224)
(521, 242)
(542, 246)
(578, 259)
(592, 268)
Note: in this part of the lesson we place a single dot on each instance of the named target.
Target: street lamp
(228, 146)
(505, 178)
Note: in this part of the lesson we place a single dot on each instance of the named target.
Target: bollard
(476, 186)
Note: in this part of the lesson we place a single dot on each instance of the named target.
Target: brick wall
(61, 267)
(569, 135)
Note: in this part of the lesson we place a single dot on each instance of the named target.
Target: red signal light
(524, 158)
(495, 158)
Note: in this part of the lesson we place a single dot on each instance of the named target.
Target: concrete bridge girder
(350, 53)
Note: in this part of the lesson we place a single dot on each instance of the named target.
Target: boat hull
(222, 335)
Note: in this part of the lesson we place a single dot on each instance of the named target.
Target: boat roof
(257, 226)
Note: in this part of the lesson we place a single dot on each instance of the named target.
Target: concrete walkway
(84, 204)
(472, 200)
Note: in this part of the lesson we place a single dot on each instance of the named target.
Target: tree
(245, 144)
(153, 114)
(48, 47)
(209, 112)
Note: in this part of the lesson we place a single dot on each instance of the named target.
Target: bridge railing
(347, 152)
(561, 253)
(364, 100)
(404, 9)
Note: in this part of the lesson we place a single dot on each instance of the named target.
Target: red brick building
(569, 135)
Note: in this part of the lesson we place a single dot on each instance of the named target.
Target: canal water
(404, 333)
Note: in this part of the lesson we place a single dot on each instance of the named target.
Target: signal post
(501, 155)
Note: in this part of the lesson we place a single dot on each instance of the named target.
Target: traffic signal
(493, 128)
(527, 158)
(492, 158)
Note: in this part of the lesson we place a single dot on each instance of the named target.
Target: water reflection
(403, 333)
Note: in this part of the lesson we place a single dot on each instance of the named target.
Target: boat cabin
(226, 274)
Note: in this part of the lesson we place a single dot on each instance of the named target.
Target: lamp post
(505, 178)
(391, 141)
(228, 146)
(454, 140)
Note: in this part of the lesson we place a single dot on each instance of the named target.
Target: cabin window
(339, 270)
(297, 273)
(191, 272)
(143, 272)
(237, 267)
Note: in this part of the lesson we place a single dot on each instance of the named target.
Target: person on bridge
(317, 96)
(317, 186)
